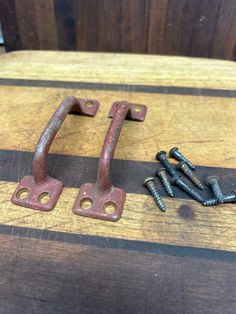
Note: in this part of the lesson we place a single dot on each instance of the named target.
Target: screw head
(159, 154)
(161, 169)
(175, 178)
(148, 180)
(210, 179)
(173, 149)
(180, 164)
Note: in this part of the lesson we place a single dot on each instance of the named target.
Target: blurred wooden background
(202, 28)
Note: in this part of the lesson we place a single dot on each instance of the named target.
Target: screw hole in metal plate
(44, 197)
(137, 108)
(110, 208)
(22, 193)
(86, 203)
(89, 104)
(108, 200)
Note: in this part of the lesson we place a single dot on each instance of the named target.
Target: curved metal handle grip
(41, 191)
(103, 200)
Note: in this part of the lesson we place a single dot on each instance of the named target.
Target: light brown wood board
(181, 261)
(182, 111)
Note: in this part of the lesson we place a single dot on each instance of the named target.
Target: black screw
(150, 184)
(211, 202)
(182, 165)
(175, 153)
(214, 185)
(231, 198)
(161, 173)
(188, 189)
(161, 156)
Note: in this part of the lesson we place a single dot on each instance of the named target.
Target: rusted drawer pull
(103, 200)
(41, 191)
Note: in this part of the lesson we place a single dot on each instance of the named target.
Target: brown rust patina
(105, 200)
(41, 191)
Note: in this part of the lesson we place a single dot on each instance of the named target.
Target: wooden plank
(152, 26)
(197, 129)
(46, 24)
(57, 277)
(151, 89)
(40, 30)
(9, 25)
(88, 35)
(205, 21)
(73, 171)
(225, 45)
(205, 144)
(26, 16)
(98, 25)
(65, 23)
(183, 27)
(148, 262)
(134, 26)
(119, 69)
(185, 223)
(157, 26)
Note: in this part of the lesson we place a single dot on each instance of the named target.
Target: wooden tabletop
(181, 261)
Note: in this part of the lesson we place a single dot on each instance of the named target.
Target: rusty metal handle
(68, 105)
(41, 191)
(103, 200)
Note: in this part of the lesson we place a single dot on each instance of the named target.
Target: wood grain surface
(202, 28)
(144, 70)
(148, 262)
(58, 277)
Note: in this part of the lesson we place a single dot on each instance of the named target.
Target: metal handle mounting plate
(40, 191)
(102, 199)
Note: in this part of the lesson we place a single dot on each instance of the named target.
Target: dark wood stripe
(10, 27)
(52, 277)
(172, 90)
(66, 24)
(118, 244)
(126, 174)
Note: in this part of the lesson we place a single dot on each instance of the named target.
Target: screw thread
(165, 162)
(217, 192)
(179, 156)
(210, 202)
(166, 184)
(230, 198)
(185, 187)
(156, 196)
(189, 173)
